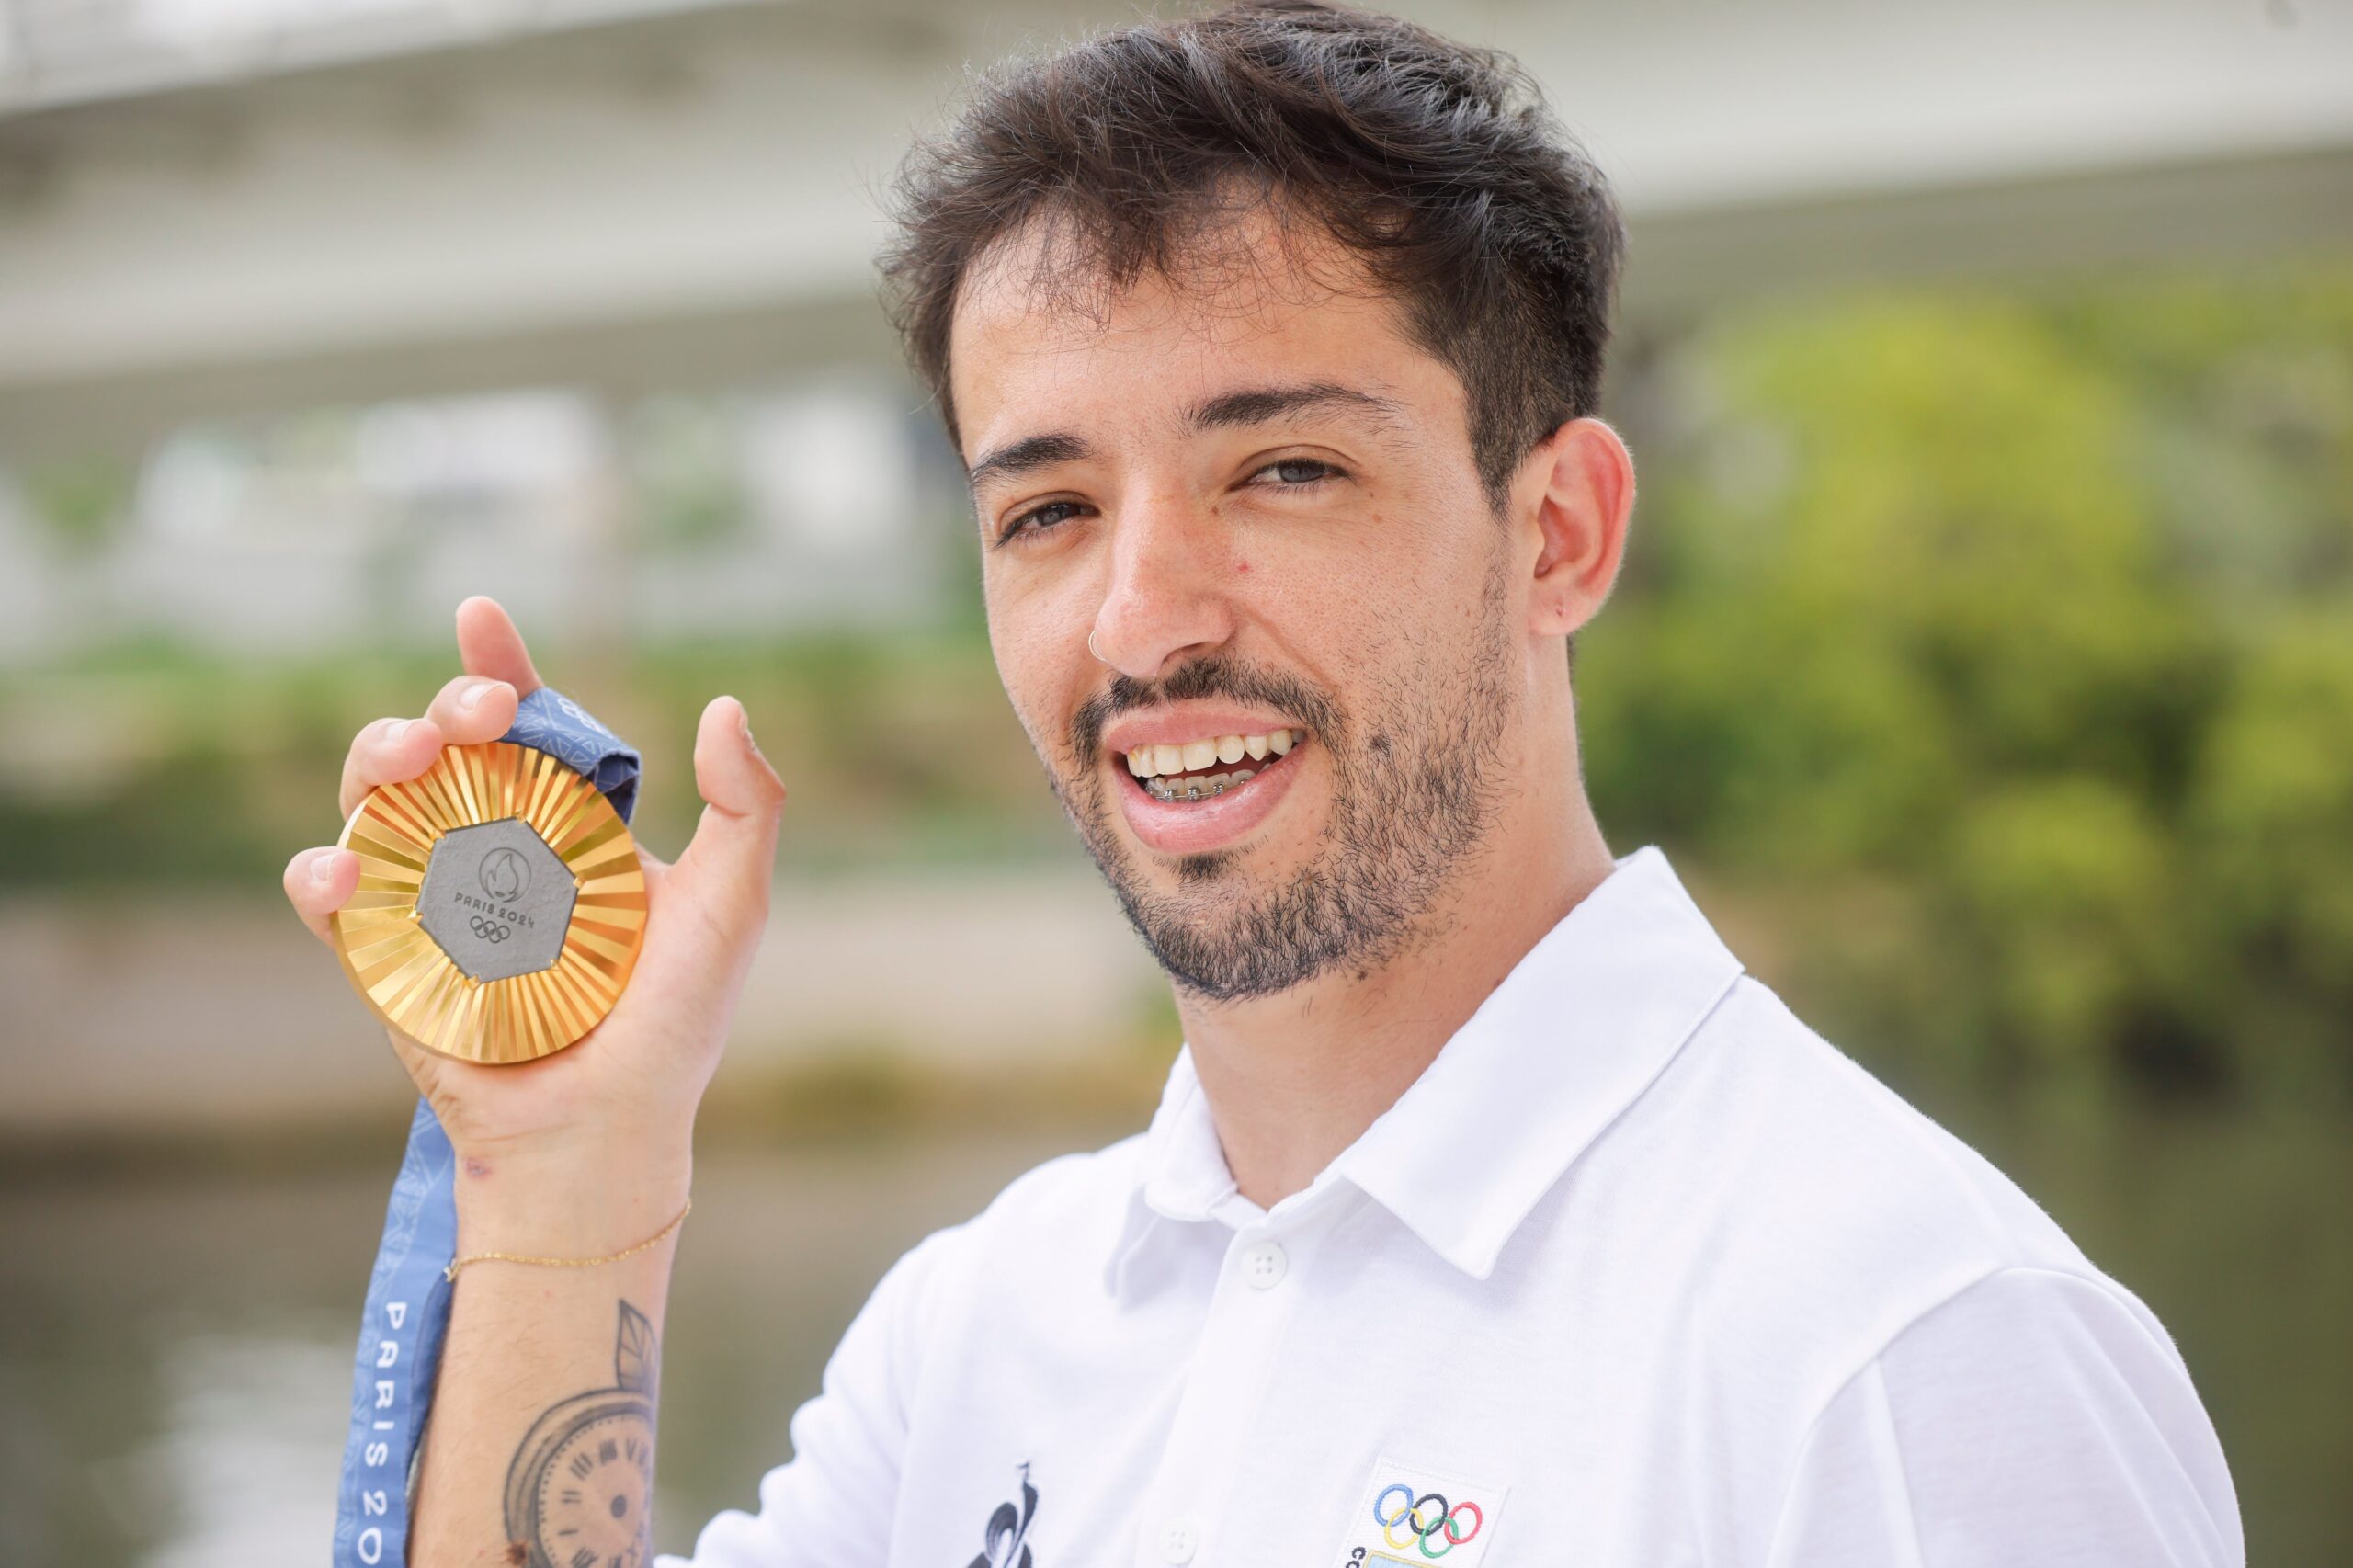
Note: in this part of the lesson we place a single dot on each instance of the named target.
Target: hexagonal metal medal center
(497, 899)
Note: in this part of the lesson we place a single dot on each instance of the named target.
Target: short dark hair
(1437, 162)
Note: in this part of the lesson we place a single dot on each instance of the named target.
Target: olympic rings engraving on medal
(489, 930)
(1423, 1518)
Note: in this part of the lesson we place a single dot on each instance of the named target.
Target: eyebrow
(1247, 405)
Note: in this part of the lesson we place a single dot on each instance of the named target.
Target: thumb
(734, 852)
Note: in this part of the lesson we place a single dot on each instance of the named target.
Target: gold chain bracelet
(450, 1273)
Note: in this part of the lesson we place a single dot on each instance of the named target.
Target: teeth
(1157, 765)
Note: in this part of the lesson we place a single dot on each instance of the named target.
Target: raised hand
(600, 1116)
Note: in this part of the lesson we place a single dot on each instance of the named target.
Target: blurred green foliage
(195, 770)
(83, 502)
(2002, 644)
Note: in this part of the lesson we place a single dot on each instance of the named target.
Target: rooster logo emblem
(1004, 1544)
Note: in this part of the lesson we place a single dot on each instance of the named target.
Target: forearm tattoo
(580, 1491)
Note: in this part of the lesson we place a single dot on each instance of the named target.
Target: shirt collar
(1574, 1033)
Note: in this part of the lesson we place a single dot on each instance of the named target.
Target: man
(1491, 1211)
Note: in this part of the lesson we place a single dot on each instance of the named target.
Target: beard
(1413, 796)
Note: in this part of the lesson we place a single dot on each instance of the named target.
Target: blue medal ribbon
(408, 1297)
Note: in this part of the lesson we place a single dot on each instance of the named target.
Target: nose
(1166, 598)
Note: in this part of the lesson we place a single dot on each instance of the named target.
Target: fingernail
(322, 867)
(395, 735)
(471, 698)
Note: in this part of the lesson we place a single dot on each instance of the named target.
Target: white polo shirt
(1640, 1273)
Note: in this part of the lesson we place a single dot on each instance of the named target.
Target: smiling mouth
(1205, 768)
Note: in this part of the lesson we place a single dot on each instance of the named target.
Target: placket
(1260, 1283)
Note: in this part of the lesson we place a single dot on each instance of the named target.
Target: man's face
(1260, 499)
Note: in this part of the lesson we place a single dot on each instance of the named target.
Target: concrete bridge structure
(212, 207)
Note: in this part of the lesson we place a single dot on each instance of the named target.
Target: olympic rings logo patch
(1406, 1520)
(489, 930)
(1410, 1515)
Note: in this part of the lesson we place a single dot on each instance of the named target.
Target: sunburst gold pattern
(416, 988)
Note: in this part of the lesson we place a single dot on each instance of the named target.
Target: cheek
(1040, 645)
(1380, 602)
(1039, 601)
(1346, 585)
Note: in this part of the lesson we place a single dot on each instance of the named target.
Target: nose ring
(1090, 648)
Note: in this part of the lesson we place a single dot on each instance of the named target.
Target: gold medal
(500, 908)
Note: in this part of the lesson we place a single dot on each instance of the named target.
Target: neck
(1293, 1079)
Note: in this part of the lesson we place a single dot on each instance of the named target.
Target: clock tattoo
(580, 1491)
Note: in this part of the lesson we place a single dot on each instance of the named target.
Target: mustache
(1215, 675)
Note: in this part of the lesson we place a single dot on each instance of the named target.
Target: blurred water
(175, 1350)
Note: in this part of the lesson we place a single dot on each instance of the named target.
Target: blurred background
(1984, 657)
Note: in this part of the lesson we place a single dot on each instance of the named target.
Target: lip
(1195, 827)
(1182, 721)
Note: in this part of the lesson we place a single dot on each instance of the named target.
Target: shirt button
(1265, 1264)
(1180, 1541)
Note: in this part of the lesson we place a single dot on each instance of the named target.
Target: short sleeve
(2036, 1416)
(846, 1443)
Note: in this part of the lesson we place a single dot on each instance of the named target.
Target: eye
(1301, 473)
(1297, 473)
(1037, 519)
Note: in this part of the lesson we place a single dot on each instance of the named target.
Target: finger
(418, 1063)
(488, 645)
(733, 857)
(387, 751)
(471, 708)
(319, 883)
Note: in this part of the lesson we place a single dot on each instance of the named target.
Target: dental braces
(1193, 790)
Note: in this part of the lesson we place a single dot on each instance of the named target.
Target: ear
(1584, 482)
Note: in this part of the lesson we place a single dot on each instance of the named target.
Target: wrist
(588, 1203)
